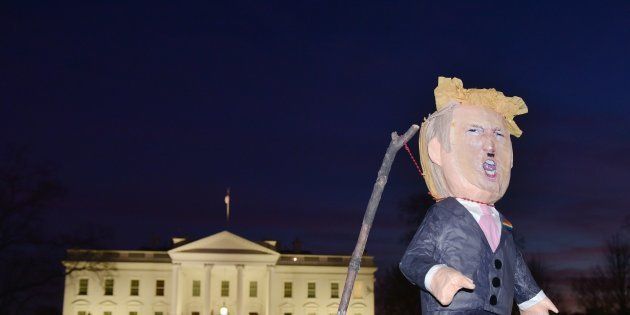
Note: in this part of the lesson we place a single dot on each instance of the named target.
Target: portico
(216, 261)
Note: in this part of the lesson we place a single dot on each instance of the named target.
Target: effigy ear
(435, 151)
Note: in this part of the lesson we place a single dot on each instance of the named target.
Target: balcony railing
(120, 256)
(322, 260)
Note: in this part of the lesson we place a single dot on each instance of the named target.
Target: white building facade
(217, 274)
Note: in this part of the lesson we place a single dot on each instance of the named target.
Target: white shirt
(475, 209)
(476, 212)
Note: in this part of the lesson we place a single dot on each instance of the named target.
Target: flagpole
(227, 208)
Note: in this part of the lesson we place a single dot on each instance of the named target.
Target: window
(107, 313)
(109, 287)
(196, 288)
(253, 289)
(83, 287)
(225, 288)
(159, 288)
(195, 313)
(82, 313)
(133, 313)
(311, 290)
(288, 289)
(288, 314)
(334, 290)
(159, 313)
(135, 288)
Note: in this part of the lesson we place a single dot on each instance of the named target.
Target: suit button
(493, 300)
(496, 282)
(497, 264)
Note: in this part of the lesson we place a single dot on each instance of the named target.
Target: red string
(413, 159)
(479, 202)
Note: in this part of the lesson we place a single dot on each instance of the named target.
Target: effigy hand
(446, 282)
(542, 307)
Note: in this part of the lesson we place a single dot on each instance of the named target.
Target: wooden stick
(355, 262)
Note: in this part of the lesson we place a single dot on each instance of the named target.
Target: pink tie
(489, 227)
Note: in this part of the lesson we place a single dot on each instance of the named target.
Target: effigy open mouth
(490, 169)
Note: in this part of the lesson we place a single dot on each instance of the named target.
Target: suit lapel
(460, 210)
(466, 215)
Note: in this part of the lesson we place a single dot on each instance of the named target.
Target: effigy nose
(489, 146)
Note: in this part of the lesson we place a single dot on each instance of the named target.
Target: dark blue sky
(150, 110)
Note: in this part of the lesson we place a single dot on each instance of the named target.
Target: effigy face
(479, 161)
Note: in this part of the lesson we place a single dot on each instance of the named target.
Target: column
(270, 278)
(239, 290)
(207, 303)
(175, 287)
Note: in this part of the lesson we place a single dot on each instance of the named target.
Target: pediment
(358, 305)
(223, 243)
(135, 303)
(310, 305)
(81, 302)
(223, 246)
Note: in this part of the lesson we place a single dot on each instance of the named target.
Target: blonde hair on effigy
(449, 93)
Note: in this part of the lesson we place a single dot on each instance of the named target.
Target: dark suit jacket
(450, 235)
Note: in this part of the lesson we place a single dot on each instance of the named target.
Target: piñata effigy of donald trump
(463, 256)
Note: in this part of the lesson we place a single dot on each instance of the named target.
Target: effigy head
(465, 146)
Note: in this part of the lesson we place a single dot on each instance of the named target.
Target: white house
(218, 274)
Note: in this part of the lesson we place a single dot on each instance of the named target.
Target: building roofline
(144, 256)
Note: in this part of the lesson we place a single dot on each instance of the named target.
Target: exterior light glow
(223, 310)
(294, 258)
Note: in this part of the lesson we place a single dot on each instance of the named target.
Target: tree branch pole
(383, 173)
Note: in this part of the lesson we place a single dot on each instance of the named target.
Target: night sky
(149, 111)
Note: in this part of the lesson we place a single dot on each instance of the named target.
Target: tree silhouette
(617, 270)
(25, 191)
(606, 289)
(30, 259)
